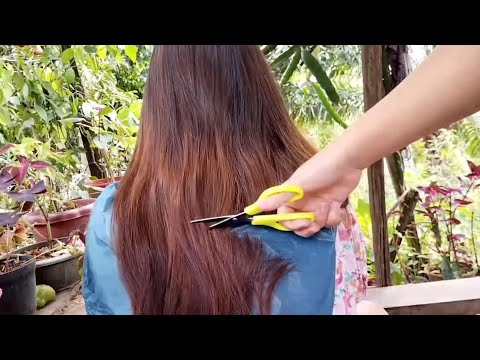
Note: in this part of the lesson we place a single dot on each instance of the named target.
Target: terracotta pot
(63, 223)
(96, 186)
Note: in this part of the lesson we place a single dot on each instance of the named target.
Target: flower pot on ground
(56, 263)
(95, 187)
(62, 223)
(17, 281)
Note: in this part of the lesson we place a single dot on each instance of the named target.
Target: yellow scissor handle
(254, 209)
(273, 221)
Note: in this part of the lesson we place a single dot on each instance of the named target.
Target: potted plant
(56, 261)
(63, 218)
(57, 255)
(17, 271)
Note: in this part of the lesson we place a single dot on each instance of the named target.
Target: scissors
(249, 215)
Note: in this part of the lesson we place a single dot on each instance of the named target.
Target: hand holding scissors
(250, 215)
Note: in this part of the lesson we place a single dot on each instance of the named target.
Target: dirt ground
(67, 302)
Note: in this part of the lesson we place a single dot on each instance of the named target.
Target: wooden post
(373, 92)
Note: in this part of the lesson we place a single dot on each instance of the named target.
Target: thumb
(274, 201)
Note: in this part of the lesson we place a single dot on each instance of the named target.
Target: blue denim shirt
(308, 290)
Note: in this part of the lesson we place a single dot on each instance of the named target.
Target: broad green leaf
(131, 51)
(25, 91)
(316, 69)
(136, 108)
(397, 274)
(112, 50)
(19, 137)
(5, 117)
(57, 86)
(38, 89)
(106, 110)
(41, 112)
(2, 98)
(67, 55)
(91, 63)
(47, 74)
(63, 111)
(90, 49)
(30, 141)
(79, 54)
(18, 80)
(102, 51)
(7, 92)
(70, 76)
(132, 130)
(123, 114)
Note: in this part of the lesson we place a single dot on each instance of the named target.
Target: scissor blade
(212, 219)
(229, 219)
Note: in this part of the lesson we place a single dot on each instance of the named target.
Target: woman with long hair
(214, 133)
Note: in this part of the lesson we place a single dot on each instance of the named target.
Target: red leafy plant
(22, 192)
(440, 205)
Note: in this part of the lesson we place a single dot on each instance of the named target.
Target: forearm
(443, 90)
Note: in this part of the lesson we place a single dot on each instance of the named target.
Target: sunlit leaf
(69, 76)
(102, 51)
(131, 51)
(41, 112)
(67, 55)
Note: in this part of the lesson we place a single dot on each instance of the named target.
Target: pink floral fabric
(351, 274)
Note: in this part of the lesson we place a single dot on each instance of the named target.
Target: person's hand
(326, 184)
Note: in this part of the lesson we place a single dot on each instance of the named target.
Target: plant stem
(49, 229)
(473, 239)
(107, 163)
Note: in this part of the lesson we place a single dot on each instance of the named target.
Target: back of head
(214, 134)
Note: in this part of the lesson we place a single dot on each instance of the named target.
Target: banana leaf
(322, 78)
(326, 103)
(284, 56)
(268, 49)
(291, 67)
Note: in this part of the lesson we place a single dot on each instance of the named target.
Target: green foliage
(51, 102)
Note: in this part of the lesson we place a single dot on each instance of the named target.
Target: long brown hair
(214, 134)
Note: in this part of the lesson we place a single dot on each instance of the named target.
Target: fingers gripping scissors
(249, 215)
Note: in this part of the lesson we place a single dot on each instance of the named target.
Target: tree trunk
(373, 90)
(396, 67)
(92, 154)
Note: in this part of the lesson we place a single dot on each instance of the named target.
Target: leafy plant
(23, 192)
(440, 206)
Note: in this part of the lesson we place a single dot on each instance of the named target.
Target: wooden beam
(373, 92)
(446, 297)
